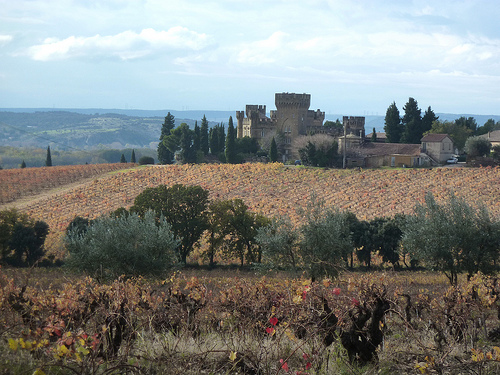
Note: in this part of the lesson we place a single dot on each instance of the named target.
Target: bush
(144, 160)
(125, 245)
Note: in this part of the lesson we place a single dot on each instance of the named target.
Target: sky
(353, 57)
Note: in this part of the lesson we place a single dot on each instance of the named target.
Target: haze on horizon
(353, 57)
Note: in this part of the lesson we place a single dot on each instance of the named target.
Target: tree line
(166, 224)
(412, 125)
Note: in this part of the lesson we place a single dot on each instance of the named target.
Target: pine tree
(231, 143)
(204, 135)
(273, 151)
(428, 119)
(122, 159)
(48, 160)
(393, 128)
(132, 158)
(213, 138)
(412, 122)
(23, 164)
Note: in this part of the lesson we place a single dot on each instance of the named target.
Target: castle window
(262, 134)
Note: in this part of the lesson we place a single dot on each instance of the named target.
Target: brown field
(271, 189)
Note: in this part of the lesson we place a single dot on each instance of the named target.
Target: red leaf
(336, 291)
(273, 320)
(355, 302)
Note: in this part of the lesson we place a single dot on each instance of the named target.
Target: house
(493, 137)
(374, 155)
(439, 147)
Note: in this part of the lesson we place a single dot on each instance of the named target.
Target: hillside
(67, 130)
(271, 189)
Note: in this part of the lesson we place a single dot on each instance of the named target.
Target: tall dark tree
(204, 146)
(412, 122)
(428, 119)
(374, 135)
(48, 160)
(231, 153)
(188, 152)
(214, 140)
(132, 158)
(273, 152)
(393, 128)
(165, 156)
(122, 159)
(196, 137)
(222, 137)
(23, 164)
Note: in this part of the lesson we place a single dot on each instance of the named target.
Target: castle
(292, 118)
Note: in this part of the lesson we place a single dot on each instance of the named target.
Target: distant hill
(97, 128)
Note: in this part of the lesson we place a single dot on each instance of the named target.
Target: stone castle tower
(292, 118)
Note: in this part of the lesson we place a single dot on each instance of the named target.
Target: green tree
(412, 122)
(48, 159)
(132, 158)
(457, 132)
(204, 136)
(374, 135)
(247, 145)
(469, 123)
(145, 160)
(273, 152)
(21, 238)
(477, 147)
(393, 127)
(335, 127)
(23, 165)
(242, 227)
(122, 159)
(326, 240)
(196, 137)
(452, 237)
(427, 120)
(184, 208)
(231, 152)
(279, 242)
(188, 150)
(126, 245)
(165, 156)
(488, 126)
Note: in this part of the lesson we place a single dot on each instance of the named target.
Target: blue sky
(353, 57)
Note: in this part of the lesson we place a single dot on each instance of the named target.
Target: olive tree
(453, 237)
(279, 243)
(326, 239)
(125, 245)
(183, 207)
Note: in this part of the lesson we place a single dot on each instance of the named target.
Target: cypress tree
(132, 158)
(393, 128)
(204, 135)
(197, 137)
(412, 122)
(165, 156)
(273, 151)
(122, 159)
(23, 165)
(48, 160)
(374, 135)
(231, 143)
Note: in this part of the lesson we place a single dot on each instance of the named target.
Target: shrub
(144, 160)
(125, 245)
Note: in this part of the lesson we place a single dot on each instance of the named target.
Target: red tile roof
(434, 137)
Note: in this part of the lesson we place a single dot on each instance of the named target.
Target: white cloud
(4, 39)
(126, 45)
(264, 51)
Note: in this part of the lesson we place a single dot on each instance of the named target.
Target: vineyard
(359, 324)
(271, 189)
(18, 183)
(208, 323)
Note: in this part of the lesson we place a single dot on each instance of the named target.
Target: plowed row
(273, 189)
